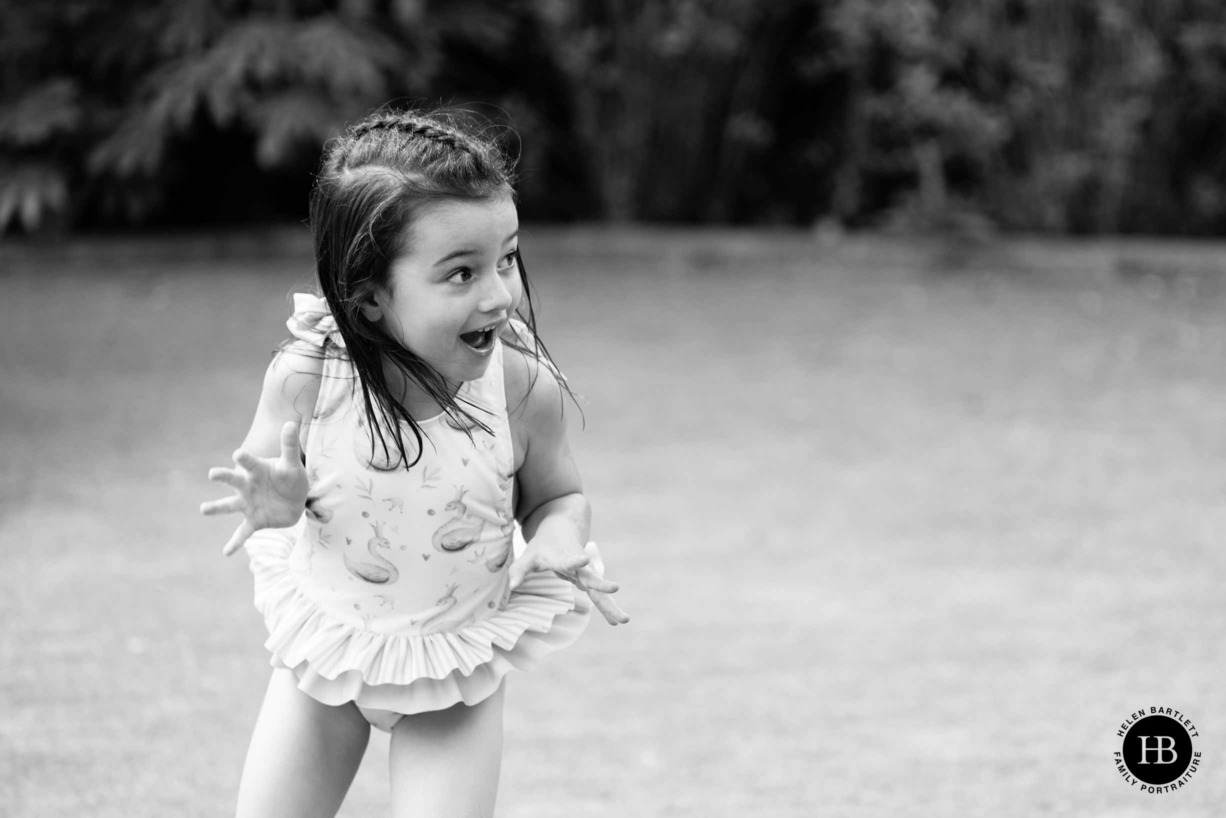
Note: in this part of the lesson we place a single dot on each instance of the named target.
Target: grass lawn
(904, 531)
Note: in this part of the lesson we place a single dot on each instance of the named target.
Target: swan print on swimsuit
(460, 531)
(381, 571)
(432, 623)
(407, 535)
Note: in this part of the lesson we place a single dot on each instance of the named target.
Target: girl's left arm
(555, 514)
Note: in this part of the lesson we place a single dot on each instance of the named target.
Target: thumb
(593, 553)
(240, 536)
(291, 453)
(519, 570)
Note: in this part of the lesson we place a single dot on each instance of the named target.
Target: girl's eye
(462, 276)
(509, 260)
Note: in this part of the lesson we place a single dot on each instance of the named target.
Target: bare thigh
(303, 754)
(446, 763)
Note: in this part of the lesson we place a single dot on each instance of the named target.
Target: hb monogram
(1162, 749)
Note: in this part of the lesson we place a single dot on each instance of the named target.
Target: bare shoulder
(291, 383)
(531, 385)
(534, 400)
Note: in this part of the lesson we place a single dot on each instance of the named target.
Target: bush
(1096, 116)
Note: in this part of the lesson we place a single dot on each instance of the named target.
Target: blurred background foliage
(1061, 116)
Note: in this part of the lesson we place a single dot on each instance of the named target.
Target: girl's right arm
(269, 478)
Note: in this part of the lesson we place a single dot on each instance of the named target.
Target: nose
(497, 296)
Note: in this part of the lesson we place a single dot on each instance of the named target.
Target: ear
(371, 305)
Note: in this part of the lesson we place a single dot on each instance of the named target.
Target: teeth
(481, 337)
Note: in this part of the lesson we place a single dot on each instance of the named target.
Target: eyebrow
(468, 251)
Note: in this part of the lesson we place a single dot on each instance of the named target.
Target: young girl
(412, 421)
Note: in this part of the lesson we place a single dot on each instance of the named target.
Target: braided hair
(373, 183)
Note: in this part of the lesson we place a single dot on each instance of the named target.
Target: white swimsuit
(393, 591)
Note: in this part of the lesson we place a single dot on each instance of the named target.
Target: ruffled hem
(336, 662)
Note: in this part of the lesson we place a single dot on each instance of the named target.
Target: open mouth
(481, 340)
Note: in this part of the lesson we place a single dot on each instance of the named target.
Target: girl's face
(452, 291)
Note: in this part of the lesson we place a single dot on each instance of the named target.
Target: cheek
(516, 287)
(413, 326)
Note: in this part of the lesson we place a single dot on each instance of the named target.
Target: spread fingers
(226, 505)
(231, 477)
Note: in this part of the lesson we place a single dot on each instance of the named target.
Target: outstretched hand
(585, 571)
(270, 492)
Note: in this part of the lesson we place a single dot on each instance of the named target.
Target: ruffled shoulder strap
(313, 322)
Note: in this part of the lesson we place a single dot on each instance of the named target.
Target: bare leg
(303, 754)
(446, 764)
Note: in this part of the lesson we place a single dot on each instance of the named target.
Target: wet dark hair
(374, 181)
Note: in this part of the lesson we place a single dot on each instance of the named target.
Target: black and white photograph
(653, 408)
